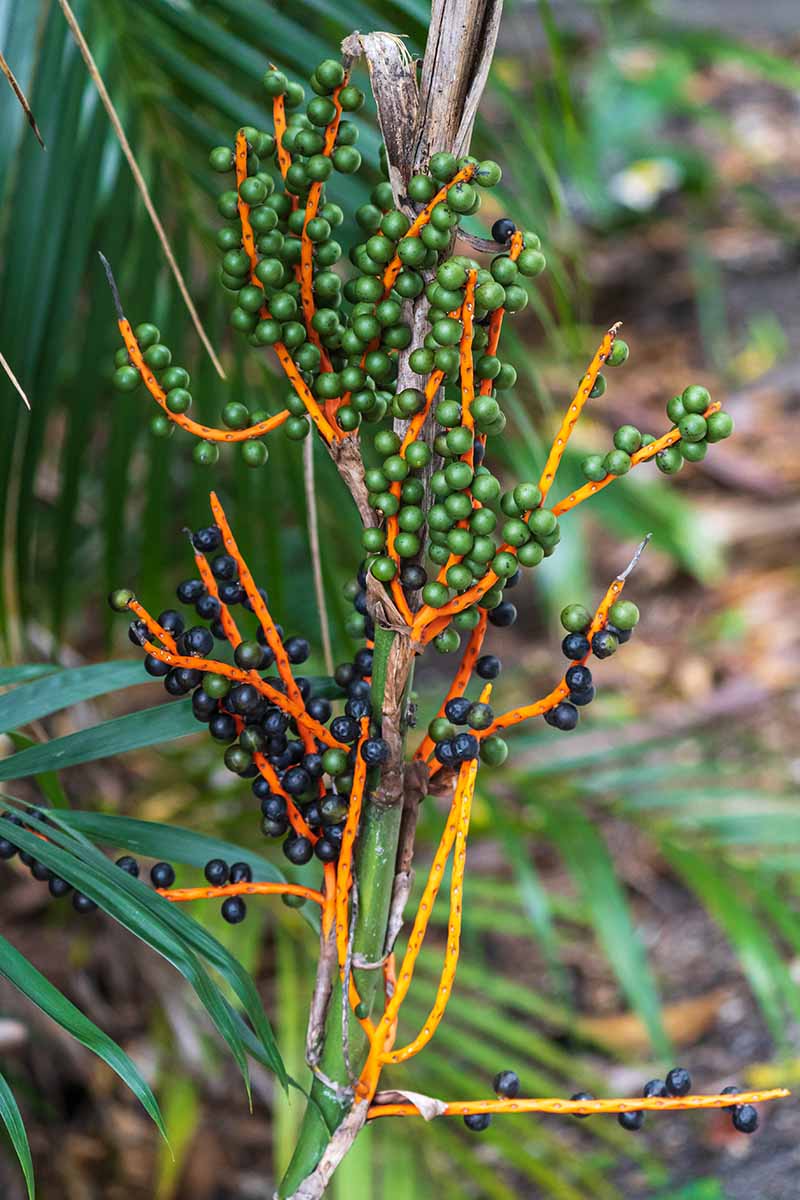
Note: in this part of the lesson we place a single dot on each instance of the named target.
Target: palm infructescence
(407, 343)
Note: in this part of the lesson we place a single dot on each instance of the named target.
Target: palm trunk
(415, 124)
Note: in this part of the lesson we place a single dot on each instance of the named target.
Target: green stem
(375, 861)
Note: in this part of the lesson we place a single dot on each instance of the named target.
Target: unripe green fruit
(531, 262)
(617, 462)
(530, 555)
(542, 522)
(493, 750)
(696, 399)
(126, 379)
(719, 426)
(618, 353)
(435, 594)
(383, 569)
(624, 614)
(692, 427)
(576, 618)
(206, 454)
(119, 599)
(669, 461)
(593, 467)
(628, 438)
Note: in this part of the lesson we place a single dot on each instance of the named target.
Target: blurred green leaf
(61, 688)
(12, 1119)
(586, 855)
(24, 976)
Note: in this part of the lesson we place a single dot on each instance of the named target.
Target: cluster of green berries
(686, 413)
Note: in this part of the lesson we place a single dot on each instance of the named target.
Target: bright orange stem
(585, 1108)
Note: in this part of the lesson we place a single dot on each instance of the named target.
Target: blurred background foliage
(634, 892)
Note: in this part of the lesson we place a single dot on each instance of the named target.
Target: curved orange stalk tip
(585, 1108)
(574, 411)
(183, 895)
(208, 433)
(643, 455)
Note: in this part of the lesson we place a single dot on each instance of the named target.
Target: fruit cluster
(692, 415)
(678, 1084)
(303, 761)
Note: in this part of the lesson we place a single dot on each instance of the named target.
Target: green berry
(493, 750)
(443, 166)
(693, 452)
(719, 426)
(618, 353)
(669, 461)
(542, 522)
(617, 462)
(435, 594)
(693, 427)
(628, 438)
(696, 399)
(576, 618)
(624, 614)
(383, 568)
(593, 467)
(126, 379)
(206, 454)
(119, 599)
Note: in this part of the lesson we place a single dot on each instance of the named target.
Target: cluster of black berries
(453, 747)
(162, 875)
(57, 887)
(623, 618)
(246, 723)
(678, 1082)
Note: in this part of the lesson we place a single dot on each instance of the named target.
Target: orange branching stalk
(670, 438)
(583, 1108)
(574, 411)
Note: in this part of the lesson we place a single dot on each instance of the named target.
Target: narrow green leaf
(63, 688)
(163, 723)
(140, 910)
(12, 1119)
(10, 676)
(24, 976)
(588, 860)
(733, 910)
(48, 781)
(159, 923)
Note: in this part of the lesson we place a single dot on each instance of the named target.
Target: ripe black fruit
(241, 872)
(457, 710)
(678, 1082)
(478, 1122)
(582, 1096)
(375, 752)
(162, 875)
(632, 1121)
(233, 910)
(564, 716)
(503, 230)
(575, 646)
(506, 1084)
(745, 1118)
(129, 865)
(198, 641)
(298, 850)
(488, 666)
(216, 872)
(655, 1087)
